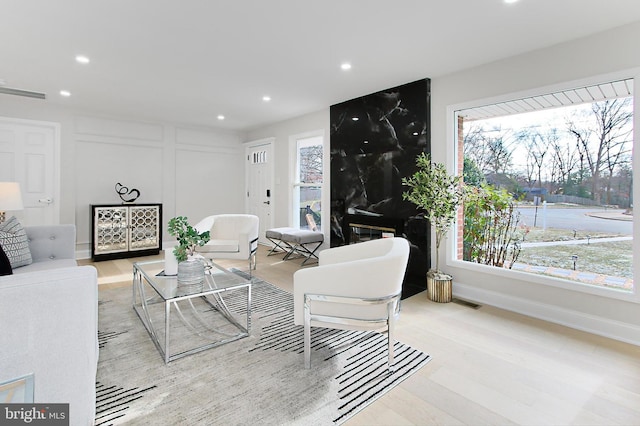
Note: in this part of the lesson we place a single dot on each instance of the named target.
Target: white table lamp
(10, 198)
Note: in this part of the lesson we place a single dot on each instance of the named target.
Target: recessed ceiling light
(510, 1)
(346, 66)
(65, 93)
(221, 117)
(82, 59)
(266, 98)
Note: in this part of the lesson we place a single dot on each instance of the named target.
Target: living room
(197, 168)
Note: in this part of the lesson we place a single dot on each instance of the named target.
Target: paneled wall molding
(213, 149)
(111, 140)
(205, 137)
(606, 327)
(118, 128)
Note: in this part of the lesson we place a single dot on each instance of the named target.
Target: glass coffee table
(208, 315)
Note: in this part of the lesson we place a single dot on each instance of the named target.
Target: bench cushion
(302, 236)
(276, 233)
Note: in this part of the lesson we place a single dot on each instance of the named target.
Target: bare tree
(537, 144)
(475, 144)
(615, 157)
(311, 164)
(564, 159)
(602, 141)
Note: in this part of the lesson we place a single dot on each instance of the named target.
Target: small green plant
(438, 193)
(188, 237)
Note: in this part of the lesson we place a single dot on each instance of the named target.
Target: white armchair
(354, 287)
(233, 236)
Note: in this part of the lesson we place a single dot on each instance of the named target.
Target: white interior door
(28, 155)
(259, 174)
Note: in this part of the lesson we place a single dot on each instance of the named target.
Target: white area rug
(260, 379)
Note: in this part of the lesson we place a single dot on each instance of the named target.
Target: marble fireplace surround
(374, 142)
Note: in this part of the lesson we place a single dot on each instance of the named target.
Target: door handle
(266, 202)
(47, 200)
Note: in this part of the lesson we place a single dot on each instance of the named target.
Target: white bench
(294, 241)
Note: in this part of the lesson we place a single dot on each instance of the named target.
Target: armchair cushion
(221, 246)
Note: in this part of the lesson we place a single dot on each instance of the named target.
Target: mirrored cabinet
(125, 230)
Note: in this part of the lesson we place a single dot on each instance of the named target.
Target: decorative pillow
(13, 239)
(5, 265)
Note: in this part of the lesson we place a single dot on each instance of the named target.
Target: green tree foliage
(491, 234)
(473, 176)
(438, 193)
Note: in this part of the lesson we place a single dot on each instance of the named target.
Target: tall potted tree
(439, 194)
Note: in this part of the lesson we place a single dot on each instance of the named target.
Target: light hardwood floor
(489, 366)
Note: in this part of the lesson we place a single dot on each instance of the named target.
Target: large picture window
(550, 185)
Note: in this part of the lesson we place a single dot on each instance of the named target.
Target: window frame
(452, 162)
(294, 174)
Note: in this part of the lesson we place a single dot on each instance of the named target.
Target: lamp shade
(10, 196)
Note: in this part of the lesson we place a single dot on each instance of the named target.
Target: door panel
(259, 190)
(27, 155)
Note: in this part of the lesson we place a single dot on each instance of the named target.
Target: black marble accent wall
(374, 141)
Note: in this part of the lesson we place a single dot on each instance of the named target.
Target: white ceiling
(186, 61)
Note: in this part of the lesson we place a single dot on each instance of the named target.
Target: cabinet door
(111, 232)
(144, 226)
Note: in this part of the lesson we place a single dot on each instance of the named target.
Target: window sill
(612, 293)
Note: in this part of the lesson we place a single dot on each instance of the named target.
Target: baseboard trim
(605, 327)
(83, 254)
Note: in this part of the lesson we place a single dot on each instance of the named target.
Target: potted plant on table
(190, 267)
(439, 194)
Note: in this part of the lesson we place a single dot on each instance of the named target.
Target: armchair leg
(253, 263)
(391, 310)
(307, 334)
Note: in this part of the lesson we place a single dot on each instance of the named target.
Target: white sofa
(49, 321)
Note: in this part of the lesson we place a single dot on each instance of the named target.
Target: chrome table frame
(209, 293)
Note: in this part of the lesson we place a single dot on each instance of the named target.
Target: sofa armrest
(48, 242)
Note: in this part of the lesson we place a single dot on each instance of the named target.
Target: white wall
(612, 52)
(194, 172)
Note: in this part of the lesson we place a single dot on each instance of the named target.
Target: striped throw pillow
(15, 244)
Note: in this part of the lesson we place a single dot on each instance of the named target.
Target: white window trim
(450, 257)
(293, 142)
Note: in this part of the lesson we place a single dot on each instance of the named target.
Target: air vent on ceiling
(20, 92)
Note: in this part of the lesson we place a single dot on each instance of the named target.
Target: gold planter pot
(439, 289)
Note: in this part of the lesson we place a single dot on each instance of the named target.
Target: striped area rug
(260, 379)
